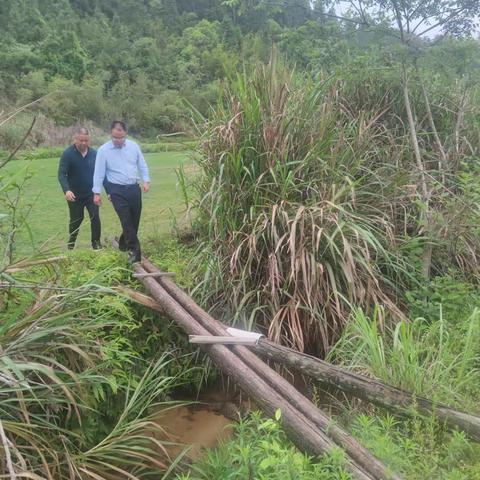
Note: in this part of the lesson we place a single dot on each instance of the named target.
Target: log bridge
(311, 429)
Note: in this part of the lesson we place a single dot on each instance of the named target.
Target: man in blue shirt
(118, 163)
(75, 174)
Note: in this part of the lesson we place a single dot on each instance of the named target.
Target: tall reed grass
(294, 207)
(308, 202)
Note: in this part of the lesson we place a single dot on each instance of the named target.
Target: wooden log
(140, 298)
(298, 427)
(354, 449)
(371, 390)
(154, 274)
(368, 389)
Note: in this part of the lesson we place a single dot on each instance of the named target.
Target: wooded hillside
(150, 61)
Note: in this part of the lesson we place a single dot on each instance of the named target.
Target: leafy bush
(449, 295)
(261, 451)
(42, 153)
(168, 146)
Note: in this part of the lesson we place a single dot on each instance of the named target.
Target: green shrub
(42, 153)
(261, 451)
(163, 146)
(448, 295)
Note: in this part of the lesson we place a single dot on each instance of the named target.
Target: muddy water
(194, 426)
(200, 425)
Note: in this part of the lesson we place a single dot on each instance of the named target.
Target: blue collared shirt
(120, 165)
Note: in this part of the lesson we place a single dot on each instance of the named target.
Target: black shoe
(97, 246)
(121, 246)
(134, 257)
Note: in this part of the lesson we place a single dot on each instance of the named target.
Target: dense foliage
(336, 204)
(310, 202)
(151, 61)
(131, 59)
(84, 371)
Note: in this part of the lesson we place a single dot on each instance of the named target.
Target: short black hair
(80, 131)
(118, 123)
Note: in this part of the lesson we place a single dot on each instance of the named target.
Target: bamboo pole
(23, 265)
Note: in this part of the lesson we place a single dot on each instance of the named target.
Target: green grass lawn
(48, 220)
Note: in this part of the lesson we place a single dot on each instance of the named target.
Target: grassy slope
(49, 218)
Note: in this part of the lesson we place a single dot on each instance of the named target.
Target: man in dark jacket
(75, 174)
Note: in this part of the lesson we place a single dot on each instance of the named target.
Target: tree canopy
(149, 61)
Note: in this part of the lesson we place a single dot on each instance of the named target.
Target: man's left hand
(146, 187)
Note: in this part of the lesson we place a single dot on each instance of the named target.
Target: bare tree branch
(441, 22)
(19, 146)
(10, 115)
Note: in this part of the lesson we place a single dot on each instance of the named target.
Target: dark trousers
(127, 202)
(77, 208)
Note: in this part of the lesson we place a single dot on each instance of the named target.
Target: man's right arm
(63, 178)
(99, 176)
(99, 173)
(63, 173)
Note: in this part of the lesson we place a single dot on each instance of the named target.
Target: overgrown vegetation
(142, 61)
(307, 203)
(335, 207)
(83, 372)
(150, 61)
(437, 359)
(83, 369)
(417, 448)
(434, 356)
(261, 451)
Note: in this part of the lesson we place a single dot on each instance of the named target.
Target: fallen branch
(140, 298)
(23, 265)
